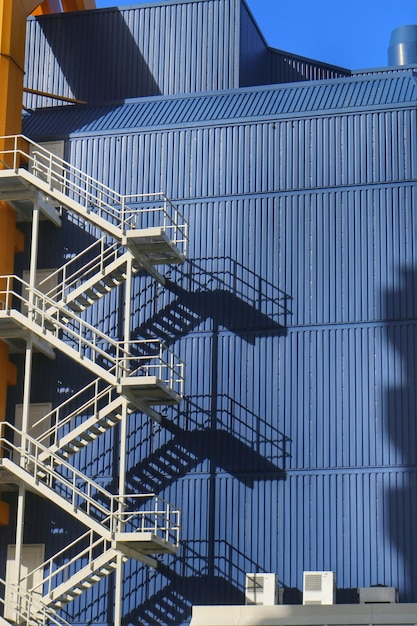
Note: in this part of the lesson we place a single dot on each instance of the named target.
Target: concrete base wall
(290, 615)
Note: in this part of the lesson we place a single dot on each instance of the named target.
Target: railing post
(156, 515)
(15, 148)
(168, 515)
(123, 217)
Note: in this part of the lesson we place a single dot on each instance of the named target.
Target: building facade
(292, 303)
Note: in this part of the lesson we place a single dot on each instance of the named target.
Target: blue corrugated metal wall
(170, 48)
(262, 65)
(295, 312)
(110, 55)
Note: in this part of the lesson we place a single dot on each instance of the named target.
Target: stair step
(91, 294)
(119, 276)
(74, 306)
(102, 288)
(109, 281)
(82, 301)
(70, 447)
(87, 437)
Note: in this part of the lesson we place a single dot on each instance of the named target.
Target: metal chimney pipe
(403, 46)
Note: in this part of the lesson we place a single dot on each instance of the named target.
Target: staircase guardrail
(119, 358)
(156, 360)
(54, 424)
(83, 495)
(89, 262)
(154, 209)
(87, 340)
(62, 565)
(113, 519)
(28, 608)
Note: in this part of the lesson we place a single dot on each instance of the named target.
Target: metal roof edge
(358, 77)
(300, 57)
(228, 107)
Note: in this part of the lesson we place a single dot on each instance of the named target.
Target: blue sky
(352, 34)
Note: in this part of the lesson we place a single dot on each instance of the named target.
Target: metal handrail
(124, 359)
(158, 360)
(35, 458)
(93, 195)
(60, 419)
(61, 562)
(29, 608)
(86, 494)
(62, 323)
(77, 270)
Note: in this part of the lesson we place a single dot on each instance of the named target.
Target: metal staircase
(130, 234)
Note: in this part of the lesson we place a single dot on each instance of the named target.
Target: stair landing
(149, 390)
(144, 543)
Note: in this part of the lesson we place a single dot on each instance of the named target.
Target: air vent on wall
(319, 588)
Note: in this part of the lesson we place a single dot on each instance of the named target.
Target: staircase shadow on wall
(231, 295)
(197, 581)
(216, 431)
(240, 455)
(227, 433)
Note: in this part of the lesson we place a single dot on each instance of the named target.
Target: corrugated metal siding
(289, 68)
(294, 448)
(384, 71)
(254, 62)
(303, 429)
(110, 55)
(323, 152)
(231, 107)
(314, 521)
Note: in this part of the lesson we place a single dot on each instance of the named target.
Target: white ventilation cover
(261, 589)
(319, 588)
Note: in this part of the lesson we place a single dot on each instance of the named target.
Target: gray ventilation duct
(403, 46)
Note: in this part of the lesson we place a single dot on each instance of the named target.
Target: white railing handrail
(57, 564)
(119, 355)
(69, 276)
(114, 516)
(29, 608)
(165, 364)
(98, 198)
(58, 423)
(31, 453)
(46, 311)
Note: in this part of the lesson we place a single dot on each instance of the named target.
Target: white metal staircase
(145, 374)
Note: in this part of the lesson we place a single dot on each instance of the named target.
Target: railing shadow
(196, 578)
(222, 290)
(243, 444)
(192, 579)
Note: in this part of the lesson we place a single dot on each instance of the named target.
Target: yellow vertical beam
(12, 51)
(13, 16)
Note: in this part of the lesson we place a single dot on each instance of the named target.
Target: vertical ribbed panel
(289, 68)
(111, 55)
(294, 448)
(261, 65)
(254, 63)
(283, 155)
(295, 315)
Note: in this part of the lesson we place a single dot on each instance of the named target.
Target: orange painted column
(13, 16)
